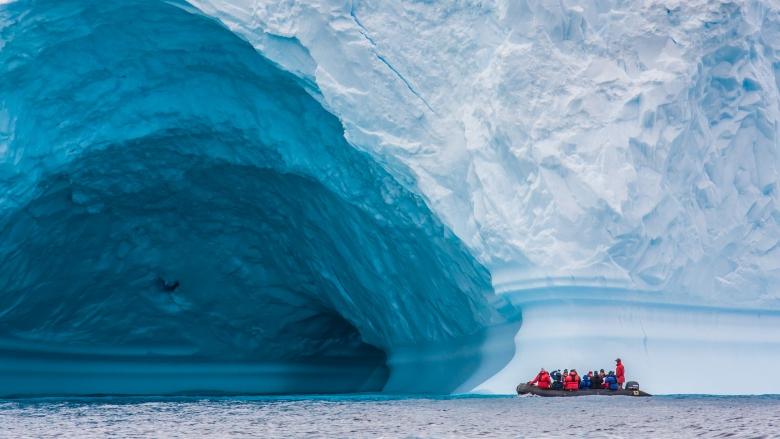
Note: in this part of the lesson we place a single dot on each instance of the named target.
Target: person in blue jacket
(611, 381)
(585, 381)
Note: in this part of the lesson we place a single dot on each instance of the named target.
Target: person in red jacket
(542, 380)
(620, 371)
(571, 382)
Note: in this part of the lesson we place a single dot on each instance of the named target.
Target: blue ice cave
(179, 215)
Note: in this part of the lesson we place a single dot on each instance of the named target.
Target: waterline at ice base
(323, 197)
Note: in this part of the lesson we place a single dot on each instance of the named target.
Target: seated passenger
(556, 377)
(571, 383)
(611, 381)
(585, 383)
(596, 381)
(542, 380)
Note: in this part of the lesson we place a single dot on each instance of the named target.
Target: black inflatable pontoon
(525, 389)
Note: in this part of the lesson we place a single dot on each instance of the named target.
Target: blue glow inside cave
(143, 143)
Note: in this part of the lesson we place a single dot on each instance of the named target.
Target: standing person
(620, 372)
(543, 380)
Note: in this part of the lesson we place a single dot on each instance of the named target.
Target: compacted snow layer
(179, 215)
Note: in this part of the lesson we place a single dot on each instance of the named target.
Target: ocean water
(393, 416)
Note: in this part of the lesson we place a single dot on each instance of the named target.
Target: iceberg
(180, 215)
(626, 142)
(611, 161)
(340, 196)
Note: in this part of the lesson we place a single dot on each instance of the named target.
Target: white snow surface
(630, 143)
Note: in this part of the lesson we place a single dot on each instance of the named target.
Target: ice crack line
(363, 31)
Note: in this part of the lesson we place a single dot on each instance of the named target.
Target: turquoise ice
(142, 143)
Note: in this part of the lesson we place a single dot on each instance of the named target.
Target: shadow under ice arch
(141, 141)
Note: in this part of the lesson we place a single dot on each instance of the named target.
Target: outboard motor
(632, 385)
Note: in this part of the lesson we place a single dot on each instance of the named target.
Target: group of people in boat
(571, 380)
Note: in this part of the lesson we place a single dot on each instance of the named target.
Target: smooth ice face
(668, 348)
(143, 144)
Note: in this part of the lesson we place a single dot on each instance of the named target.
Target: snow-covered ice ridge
(628, 142)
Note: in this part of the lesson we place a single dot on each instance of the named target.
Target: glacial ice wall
(177, 214)
(598, 142)
(613, 163)
(611, 167)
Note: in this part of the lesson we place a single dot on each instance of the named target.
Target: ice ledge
(669, 348)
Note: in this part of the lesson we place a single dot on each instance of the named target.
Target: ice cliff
(589, 153)
(368, 195)
(629, 141)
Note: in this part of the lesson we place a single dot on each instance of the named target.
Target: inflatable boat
(525, 389)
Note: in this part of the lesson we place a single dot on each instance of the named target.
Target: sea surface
(392, 416)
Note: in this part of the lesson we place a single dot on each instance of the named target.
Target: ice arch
(613, 164)
(142, 143)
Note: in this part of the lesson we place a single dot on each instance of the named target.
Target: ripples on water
(383, 416)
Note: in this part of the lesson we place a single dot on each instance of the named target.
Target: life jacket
(620, 372)
(585, 383)
(544, 381)
(571, 382)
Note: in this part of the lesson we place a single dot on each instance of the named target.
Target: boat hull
(525, 389)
